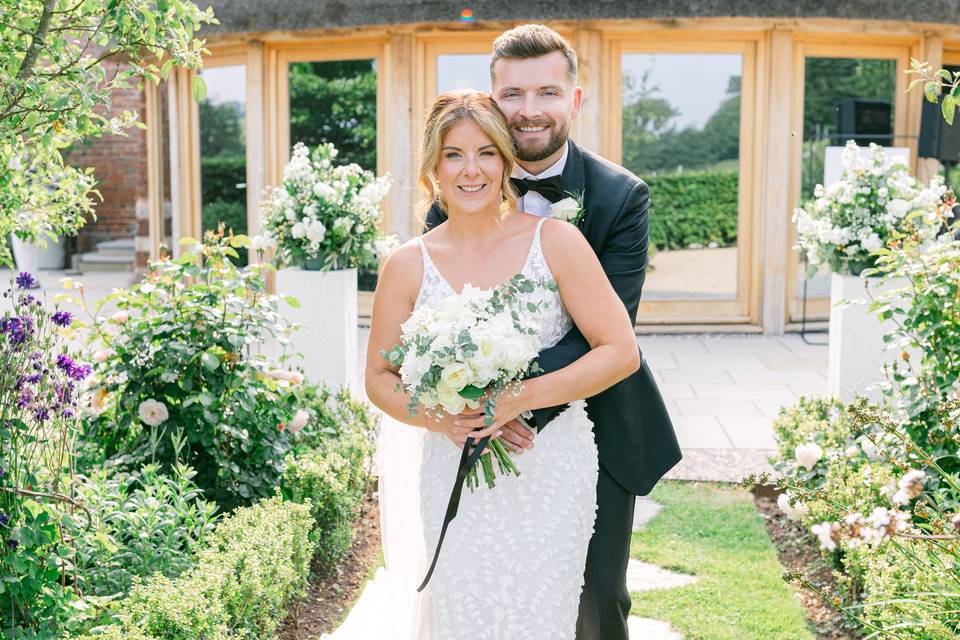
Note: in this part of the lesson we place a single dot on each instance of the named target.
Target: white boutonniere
(569, 209)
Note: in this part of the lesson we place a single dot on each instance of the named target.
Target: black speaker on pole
(937, 138)
(858, 118)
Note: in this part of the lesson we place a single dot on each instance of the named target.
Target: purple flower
(13, 544)
(65, 362)
(62, 318)
(67, 413)
(24, 400)
(41, 414)
(17, 329)
(80, 372)
(4, 519)
(26, 281)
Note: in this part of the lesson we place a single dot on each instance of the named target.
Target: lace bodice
(553, 320)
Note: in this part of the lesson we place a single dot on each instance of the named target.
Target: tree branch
(53, 496)
(26, 65)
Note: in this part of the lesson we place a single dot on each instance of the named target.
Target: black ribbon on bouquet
(467, 460)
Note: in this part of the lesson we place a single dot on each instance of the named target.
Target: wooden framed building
(659, 79)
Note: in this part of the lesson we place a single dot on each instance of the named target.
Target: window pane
(223, 161)
(843, 98)
(463, 71)
(336, 102)
(681, 134)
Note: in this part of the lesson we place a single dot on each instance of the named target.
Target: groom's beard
(530, 151)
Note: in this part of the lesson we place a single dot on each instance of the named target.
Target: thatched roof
(239, 16)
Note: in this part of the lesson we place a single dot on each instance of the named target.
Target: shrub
(142, 524)
(176, 364)
(330, 466)
(334, 489)
(221, 175)
(693, 208)
(257, 562)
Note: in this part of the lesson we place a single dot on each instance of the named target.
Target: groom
(533, 73)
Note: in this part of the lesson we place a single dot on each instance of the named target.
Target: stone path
(643, 576)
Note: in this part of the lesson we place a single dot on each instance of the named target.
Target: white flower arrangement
(860, 213)
(467, 351)
(324, 216)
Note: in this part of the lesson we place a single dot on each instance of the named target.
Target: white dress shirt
(532, 202)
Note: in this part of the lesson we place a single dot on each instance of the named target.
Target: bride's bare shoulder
(564, 245)
(402, 270)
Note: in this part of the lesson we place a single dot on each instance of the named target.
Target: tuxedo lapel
(574, 177)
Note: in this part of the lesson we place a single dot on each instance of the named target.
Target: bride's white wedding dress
(513, 559)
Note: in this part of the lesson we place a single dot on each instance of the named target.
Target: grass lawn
(714, 532)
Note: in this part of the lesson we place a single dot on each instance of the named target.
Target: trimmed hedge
(334, 489)
(220, 176)
(693, 208)
(258, 561)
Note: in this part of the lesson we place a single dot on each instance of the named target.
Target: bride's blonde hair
(448, 109)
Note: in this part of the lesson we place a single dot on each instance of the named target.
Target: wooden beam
(256, 139)
(774, 210)
(395, 106)
(588, 126)
(154, 122)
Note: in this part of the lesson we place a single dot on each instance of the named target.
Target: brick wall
(120, 166)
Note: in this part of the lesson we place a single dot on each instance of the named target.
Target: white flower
(300, 419)
(386, 246)
(299, 230)
(152, 412)
(796, 512)
(808, 454)
(120, 317)
(871, 450)
(898, 208)
(910, 486)
(102, 355)
(14, 163)
(316, 232)
(567, 209)
(825, 532)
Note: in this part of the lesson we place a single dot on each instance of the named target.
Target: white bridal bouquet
(466, 352)
(324, 216)
(867, 207)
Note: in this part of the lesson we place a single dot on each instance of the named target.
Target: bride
(513, 559)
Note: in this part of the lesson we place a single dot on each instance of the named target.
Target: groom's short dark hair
(533, 41)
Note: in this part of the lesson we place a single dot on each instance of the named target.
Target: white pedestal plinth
(327, 337)
(857, 352)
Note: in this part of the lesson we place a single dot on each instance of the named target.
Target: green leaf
(199, 88)
(471, 392)
(293, 302)
(210, 361)
(948, 105)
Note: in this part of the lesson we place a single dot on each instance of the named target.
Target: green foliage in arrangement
(56, 81)
(257, 563)
(141, 524)
(181, 382)
(693, 208)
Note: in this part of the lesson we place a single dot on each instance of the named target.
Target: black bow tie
(550, 188)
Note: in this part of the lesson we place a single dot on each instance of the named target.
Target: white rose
(455, 376)
(300, 419)
(299, 230)
(566, 209)
(102, 355)
(120, 317)
(808, 454)
(824, 531)
(152, 412)
(898, 207)
(797, 512)
(316, 232)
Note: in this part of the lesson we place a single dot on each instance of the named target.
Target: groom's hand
(517, 436)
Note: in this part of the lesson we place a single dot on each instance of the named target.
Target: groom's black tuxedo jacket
(633, 431)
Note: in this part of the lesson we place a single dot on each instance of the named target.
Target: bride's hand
(453, 426)
(509, 406)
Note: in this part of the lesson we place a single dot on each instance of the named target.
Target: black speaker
(858, 118)
(938, 139)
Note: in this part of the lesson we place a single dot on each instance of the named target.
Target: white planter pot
(327, 337)
(857, 352)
